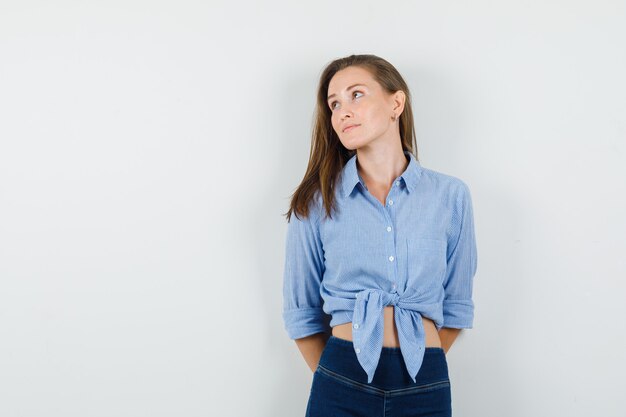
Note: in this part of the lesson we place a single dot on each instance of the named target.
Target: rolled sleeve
(458, 306)
(304, 268)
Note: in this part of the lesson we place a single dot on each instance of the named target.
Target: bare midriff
(390, 337)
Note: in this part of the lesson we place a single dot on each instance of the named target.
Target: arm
(447, 336)
(304, 318)
(312, 347)
(458, 307)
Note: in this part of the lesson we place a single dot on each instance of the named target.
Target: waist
(390, 336)
(339, 358)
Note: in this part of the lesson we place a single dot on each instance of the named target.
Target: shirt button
(356, 325)
(391, 258)
(389, 228)
(397, 182)
(357, 350)
(391, 202)
(393, 286)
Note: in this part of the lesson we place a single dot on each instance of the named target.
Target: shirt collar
(350, 176)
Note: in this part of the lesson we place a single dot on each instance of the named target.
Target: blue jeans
(340, 388)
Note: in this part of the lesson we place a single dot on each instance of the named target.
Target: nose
(345, 112)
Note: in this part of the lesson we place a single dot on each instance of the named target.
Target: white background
(148, 150)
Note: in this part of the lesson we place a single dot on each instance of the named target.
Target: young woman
(380, 255)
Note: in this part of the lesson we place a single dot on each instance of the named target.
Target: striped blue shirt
(417, 253)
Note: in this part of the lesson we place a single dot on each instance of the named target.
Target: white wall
(148, 149)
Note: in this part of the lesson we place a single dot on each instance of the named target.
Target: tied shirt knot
(368, 328)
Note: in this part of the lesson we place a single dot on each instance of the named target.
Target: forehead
(349, 76)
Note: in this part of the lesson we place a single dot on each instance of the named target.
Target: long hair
(327, 155)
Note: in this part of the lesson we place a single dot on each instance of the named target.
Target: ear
(398, 99)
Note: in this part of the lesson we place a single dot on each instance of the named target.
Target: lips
(349, 128)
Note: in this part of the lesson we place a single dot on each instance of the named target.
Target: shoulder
(454, 187)
(315, 207)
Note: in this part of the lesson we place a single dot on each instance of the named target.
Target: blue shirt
(417, 253)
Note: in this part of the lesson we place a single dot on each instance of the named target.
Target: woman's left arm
(447, 336)
(458, 306)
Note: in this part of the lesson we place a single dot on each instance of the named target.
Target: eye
(332, 105)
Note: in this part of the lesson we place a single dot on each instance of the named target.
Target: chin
(356, 143)
(351, 145)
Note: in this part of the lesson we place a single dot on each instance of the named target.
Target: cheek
(334, 120)
(376, 115)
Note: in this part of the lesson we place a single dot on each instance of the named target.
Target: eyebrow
(352, 86)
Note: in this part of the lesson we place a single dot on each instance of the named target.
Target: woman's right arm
(311, 348)
(303, 315)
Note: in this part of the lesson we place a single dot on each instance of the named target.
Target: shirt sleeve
(458, 307)
(303, 272)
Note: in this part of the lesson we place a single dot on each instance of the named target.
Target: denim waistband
(391, 373)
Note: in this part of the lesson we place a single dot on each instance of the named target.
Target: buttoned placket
(390, 242)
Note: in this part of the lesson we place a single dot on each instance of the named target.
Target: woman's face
(355, 98)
